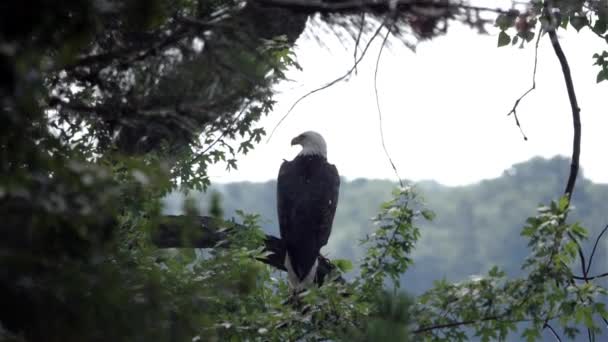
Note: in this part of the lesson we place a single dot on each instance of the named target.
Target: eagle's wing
(329, 202)
(285, 197)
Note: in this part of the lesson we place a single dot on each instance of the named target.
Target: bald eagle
(307, 196)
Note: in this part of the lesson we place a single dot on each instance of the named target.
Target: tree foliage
(105, 106)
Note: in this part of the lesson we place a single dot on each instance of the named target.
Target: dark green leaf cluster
(602, 61)
(104, 107)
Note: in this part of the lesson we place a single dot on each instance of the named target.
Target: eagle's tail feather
(295, 282)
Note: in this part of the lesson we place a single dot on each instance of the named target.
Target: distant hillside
(476, 226)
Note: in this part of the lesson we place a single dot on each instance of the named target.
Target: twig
(593, 250)
(586, 278)
(348, 73)
(596, 33)
(514, 109)
(553, 332)
(358, 39)
(498, 317)
(388, 156)
(236, 118)
(454, 324)
(591, 335)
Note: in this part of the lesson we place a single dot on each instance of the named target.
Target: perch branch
(175, 232)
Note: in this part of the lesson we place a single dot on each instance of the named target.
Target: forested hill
(476, 225)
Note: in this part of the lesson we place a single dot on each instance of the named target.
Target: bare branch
(454, 324)
(347, 74)
(358, 39)
(514, 109)
(553, 332)
(228, 129)
(593, 250)
(388, 156)
(586, 278)
(576, 118)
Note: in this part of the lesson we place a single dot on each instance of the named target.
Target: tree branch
(576, 118)
(553, 332)
(207, 232)
(586, 278)
(328, 6)
(454, 324)
(594, 249)
(516, 104)
(339, 79)
(388, 156)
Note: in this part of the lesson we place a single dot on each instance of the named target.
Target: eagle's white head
(312, 144)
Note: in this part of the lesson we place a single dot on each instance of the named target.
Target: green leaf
(600, 308)
(579, 231)
(515, 39)
(578, 22)
(503, 39)
(564, 23)
(602, 76)
(505, 21)
(563, 203)
(344, 265)
(571, 248)
(531, 334)
(600, 26)
(429, 215)
(528, 36)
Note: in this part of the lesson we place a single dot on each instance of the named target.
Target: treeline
(476, 225)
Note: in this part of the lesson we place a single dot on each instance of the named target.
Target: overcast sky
(443, 109)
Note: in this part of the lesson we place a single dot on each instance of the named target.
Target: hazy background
(477, 226)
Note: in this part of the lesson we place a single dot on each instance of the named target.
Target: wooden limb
(381, 7)
(206, 232)
(576, 112)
